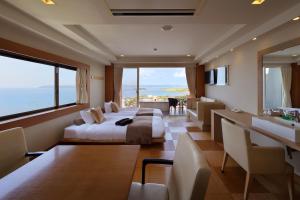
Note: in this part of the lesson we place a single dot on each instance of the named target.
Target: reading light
(254, 38)
(48, 2)
(258, 2)
(296, 18)
(188, 55)
(294, 55)
(122, 55)
(232, 49)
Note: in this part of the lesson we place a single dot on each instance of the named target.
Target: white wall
(47, 134)
(243, 79)
(242, 89)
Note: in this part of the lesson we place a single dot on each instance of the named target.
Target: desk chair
(13, 150)
(254, 159)
(189, 176)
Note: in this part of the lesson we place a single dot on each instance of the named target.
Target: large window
(28, 86)
(158, 84)
(67, 86)
(153, 85)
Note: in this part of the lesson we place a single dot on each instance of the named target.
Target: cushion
(115, 107)
(78, 121)
(148, 191)
(87, 117)
(97, 115)
(107, 107)
(205, 99)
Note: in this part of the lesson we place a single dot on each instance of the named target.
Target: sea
(153, 90)
(17, 100)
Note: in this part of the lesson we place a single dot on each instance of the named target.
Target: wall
(47, 134)
(243, 80)
(242, 89)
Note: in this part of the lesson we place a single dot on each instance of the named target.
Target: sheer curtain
(286, 74)
(190, 73)
(118, 75)
(81, 86)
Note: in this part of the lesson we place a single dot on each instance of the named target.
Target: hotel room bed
(135, 111)
(108, 132)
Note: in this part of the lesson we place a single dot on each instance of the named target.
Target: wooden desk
(244, 120)
(74, 172)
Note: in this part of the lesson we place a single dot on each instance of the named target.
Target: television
(221, 74)
(210, 77)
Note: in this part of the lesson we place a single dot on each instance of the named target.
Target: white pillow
(107, 107)
(87, 117)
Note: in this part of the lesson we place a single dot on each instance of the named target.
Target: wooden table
(74, 172)
(244, 120)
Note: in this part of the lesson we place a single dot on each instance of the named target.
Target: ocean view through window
(155, 84)
(67, 86)
(29, 86)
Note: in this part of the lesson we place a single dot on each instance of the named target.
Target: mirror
(280, 79)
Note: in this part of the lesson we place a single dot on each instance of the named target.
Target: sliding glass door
(153, 84)
(130, 92)
(159, 84)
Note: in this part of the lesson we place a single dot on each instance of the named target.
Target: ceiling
(289, 52)
(288, 55)
(90, 24)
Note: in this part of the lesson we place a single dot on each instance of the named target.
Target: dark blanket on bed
(140, 130)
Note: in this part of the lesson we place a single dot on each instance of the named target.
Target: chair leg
(249, 179)
(225, 158)
(291, 186)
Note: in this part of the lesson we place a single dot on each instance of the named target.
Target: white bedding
(131, 112)
(108, 131)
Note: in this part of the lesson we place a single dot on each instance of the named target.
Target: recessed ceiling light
(188, 55)
(232, 49)
(48, 2)
(294, 55)
(257, 2)
(296, 18)
(167, 27)
(155, 49)
(122, 55)
(254, 38)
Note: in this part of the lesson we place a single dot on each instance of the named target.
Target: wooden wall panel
(109, 82)
(295, 89)
(200, 80)
(10, 46)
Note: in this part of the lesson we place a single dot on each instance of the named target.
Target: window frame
(56, 67)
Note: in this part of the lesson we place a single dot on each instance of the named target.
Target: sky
(155, 76)
(15, 73)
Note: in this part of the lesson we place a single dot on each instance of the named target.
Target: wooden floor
(229, 185)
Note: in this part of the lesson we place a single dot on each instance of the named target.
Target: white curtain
(81, 86)
(190, 73)
(286, 74)
(118, 75)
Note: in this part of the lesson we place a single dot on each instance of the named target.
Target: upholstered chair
(173, 103)
(188, 180)
(255, 160)
(13, 150)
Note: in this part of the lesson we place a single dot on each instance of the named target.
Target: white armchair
(13, 150)
(188, 180)
(254, 159)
